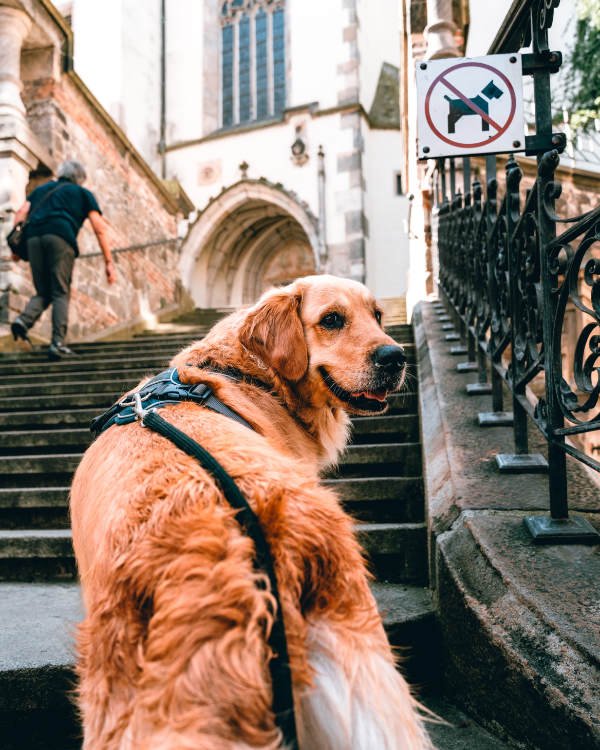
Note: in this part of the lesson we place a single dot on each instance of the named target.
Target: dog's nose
(390, 357)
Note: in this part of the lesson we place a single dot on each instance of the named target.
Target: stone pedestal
(20, 151)
(440, 30)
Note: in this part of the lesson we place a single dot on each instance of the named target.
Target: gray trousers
(51, 260)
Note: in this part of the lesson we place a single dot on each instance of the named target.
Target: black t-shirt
(62, 213)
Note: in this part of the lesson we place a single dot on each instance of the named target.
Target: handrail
(132, 248)
(509, 283)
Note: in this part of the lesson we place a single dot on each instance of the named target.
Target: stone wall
(139, 209)
(134, 202)
(148, 286)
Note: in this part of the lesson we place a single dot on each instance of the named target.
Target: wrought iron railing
(508, 281)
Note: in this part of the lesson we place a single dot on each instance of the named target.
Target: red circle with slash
(500, 128)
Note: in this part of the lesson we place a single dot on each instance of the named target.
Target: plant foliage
(583, 92)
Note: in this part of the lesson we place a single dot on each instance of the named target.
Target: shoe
(57, 351)
(19, 331)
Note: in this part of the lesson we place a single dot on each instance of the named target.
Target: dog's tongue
(377, 395)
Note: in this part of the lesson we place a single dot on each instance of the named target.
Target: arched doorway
(253, 236)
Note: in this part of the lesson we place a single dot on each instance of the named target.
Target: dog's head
(491, 91)
(323, 334)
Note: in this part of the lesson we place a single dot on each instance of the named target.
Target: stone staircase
(45, 410)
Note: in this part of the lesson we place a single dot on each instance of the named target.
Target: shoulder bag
(16, 237)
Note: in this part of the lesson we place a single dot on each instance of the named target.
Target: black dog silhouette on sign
(458, 108)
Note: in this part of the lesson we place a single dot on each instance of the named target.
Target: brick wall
(138, 207)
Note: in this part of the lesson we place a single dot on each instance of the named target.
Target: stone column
(440, 29)
(14, 27)
(17, 158)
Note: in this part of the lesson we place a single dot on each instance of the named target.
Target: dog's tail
(447, 98)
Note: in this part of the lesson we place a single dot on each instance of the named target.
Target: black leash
(279, 666)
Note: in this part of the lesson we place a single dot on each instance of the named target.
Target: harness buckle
(201, 391)
(138, 409)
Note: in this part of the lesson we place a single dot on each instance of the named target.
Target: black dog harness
(141, 405)
(163, 389)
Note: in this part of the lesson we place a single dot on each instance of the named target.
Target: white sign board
(470, 106)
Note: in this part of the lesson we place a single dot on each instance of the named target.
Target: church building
(280, 119)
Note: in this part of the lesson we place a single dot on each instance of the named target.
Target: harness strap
(166, 388)
(163, 389)
(279, 667)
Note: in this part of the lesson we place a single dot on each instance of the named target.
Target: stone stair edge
(398, 604)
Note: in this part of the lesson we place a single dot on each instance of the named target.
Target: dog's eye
(332, 321)
(378, 316)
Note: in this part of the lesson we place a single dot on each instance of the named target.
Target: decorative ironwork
(512, 284)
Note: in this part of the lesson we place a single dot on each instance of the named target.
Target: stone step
(36, 675)
(77, 382)
(390, 459)
(36, 555)
(84, 352)
(388, 428)
(397, 553)
(80, 416)
(458, 731)
(36, 451)
(387, 499)
(17, 442)
(42, 390)
(403, 334)
(80, 369)
(101, 400)
(400, 428)
(149, 359)
(125, 377)
(54, 419)
(144, 344)
(36, 680)
(34, 508)
(38, 470)
(377, 460)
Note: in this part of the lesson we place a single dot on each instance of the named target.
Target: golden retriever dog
(173, 651)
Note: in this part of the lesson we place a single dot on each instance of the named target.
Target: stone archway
(253, 236)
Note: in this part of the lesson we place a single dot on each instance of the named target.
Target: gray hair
(72, 170)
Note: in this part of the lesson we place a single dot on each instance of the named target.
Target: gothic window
(253, 60)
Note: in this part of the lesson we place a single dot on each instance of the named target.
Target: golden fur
(172, 653)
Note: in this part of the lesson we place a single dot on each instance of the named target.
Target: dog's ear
(273, 330)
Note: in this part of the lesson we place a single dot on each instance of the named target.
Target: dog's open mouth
(360, 400)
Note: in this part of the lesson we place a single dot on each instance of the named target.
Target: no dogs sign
(470, 106)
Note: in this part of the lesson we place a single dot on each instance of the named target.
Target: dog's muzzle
(389, 362)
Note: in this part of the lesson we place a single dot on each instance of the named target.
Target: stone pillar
(14, 27)
(17, 157)
(440, 30)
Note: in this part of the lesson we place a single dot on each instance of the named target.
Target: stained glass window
(262, 74)
(244, 68)
(227, 74)
(253, 60)
(279, 60)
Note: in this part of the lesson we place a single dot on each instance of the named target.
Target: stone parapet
(148, 289)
